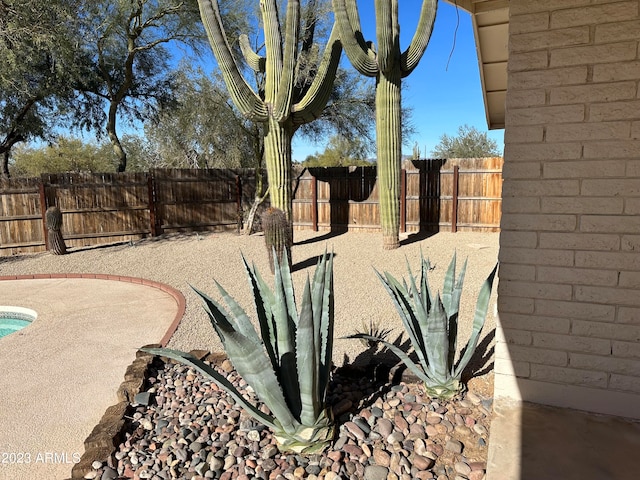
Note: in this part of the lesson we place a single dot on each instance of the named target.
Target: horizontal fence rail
(458, 194)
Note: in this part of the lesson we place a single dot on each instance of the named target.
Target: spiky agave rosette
(431, 321)
(289, 367)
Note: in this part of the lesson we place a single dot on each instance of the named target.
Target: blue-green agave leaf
(436, 341)
(323, 282)
(263, 310)
(482, 305)
(307, 350)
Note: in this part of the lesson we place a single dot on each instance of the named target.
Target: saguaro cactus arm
(256, 62)
(287, 77)
(361, 56)
(412, 55)
(387, 34)
(243, 96)
(311, 105)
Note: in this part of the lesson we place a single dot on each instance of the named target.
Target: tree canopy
(468, 143)
(39, 62)
(342, 152)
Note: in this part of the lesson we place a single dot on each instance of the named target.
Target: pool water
(10, 325)
(13, 319)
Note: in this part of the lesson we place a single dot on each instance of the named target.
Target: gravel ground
(360, 299)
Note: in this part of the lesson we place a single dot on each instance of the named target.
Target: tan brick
(518, 239)
(535, 323)
(508, 306)
(517, 337)
(613, 331)
(519, 170)
(525, 61)
(632, 206)
(551, 291)
(608, 260)
(588, 131)
(545, 78)
(536, 256)
(605, 364)
(600, 92)
(520, 369)
(510, 271)
(545, 151)
(603, 112)
(608, 295)
(546, 115)
(572, 343)
(575, 310)
(543, 188)
(570, 376)
(612, 149)
(526, 98)
(524, 42)
(630, 243)
(534, 22)
(629, 280)
(532, 134)
(609, 187)
(582, 205)
(625, 383)
(579, 241)
(576, 276)
(593, 54)
(628, 316)
(626, 349)
(538, 355)
(633, 168)
(591, 15)
(521, 205)
(614, 31)
(615, 72)
(584, 169)
(539, 222)
(524, 7)
(610, 223)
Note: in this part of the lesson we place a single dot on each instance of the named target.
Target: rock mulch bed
(185, 427)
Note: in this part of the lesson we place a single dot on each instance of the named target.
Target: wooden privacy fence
(107, 208)
(452, 195)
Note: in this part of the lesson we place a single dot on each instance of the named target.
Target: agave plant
(432, 325)
(289, 368)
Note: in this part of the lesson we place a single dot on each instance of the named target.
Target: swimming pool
(13, 319)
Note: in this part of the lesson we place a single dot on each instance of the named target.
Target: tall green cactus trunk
(277, 149)
(388, 65)
(389, 146)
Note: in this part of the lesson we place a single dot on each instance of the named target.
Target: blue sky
(443, 96)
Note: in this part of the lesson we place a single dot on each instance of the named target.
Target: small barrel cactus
(55, 242)
(278, 236)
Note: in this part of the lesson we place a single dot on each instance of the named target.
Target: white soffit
(491, 29)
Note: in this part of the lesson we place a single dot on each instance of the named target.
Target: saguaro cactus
(388, 66)
(285, 103)
(55, 241)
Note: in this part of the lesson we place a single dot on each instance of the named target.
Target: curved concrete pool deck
(61, 373)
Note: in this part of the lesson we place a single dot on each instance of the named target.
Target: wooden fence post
(454, 199)
(151, 186)
(43, 211)
(239, 201)
(314, 203)
(403, 200)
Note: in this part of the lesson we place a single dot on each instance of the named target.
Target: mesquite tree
(282, 103)
(388, 66)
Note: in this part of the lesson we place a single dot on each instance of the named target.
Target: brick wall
(569, 293)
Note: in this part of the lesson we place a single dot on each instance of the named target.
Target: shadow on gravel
(309, 262)
(480, 364)
(321, 238)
